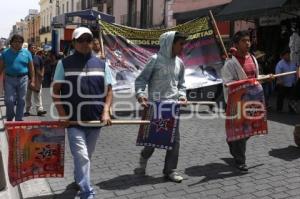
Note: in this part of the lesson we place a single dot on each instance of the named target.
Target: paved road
(204, 161)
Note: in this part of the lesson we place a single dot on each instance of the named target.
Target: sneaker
(91, 197)
(26, 114)
(242, 167)
(174, 177)
(141, 170)
(40, 113)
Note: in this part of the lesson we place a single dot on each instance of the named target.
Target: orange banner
(36, 150)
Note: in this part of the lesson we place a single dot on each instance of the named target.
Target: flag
(245, 112)
(36, 150)
(160, 133)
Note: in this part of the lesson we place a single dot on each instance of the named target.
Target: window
(146, 13)
(132, 10)
(110, 7)
(72, 5)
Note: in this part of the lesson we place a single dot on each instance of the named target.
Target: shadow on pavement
(69, 193)
(289, 153)
(284, 118)
(129, 180)
(213, 171)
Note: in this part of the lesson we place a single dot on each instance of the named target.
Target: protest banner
(245, 112)
(128, 50)
(160, 133)
(36, 150)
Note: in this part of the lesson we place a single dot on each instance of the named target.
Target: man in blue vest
(82, 91)
(16, 62)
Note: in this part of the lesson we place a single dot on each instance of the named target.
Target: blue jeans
(15, 89)
(82, 141)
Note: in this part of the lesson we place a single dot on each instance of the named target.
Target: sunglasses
(17, 41)
(84, 39)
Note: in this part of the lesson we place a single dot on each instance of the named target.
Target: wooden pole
(218, 32)
(201, 103)
(113, 122)
(130, 122)
(100, 37)
(268, 77)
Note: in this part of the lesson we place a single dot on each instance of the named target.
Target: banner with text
(36, 150)
(128, 49)
(245, 112)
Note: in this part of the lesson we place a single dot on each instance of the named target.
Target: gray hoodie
(163, 74)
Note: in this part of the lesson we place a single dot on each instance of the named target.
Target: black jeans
(284, 92)
(171, 159)
(238, 150)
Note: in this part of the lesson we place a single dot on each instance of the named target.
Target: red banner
(245, 112)
(36, 150)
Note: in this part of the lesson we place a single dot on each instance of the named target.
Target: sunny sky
(12, 11)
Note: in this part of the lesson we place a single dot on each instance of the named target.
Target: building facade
(18, 28)
(134, 13)
(182, 6)
(47, 10)
(31, 31)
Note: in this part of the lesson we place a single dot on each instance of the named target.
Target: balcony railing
(44, 29)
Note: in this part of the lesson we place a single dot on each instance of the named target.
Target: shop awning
(182, 17)
(250, 9)
(62, 20)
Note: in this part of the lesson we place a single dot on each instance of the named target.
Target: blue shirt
(283, 67)
(37, 62)
(16, 63)
(59, 74)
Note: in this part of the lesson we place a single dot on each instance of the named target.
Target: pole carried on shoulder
(218, 32)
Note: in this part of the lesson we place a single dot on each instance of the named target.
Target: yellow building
(47, 10)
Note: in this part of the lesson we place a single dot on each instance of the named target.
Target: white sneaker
(174, 177)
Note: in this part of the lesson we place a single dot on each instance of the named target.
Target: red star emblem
(161, 124)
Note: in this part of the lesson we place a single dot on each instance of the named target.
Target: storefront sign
(269, 21)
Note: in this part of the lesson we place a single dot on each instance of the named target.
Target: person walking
(35, 92)
(164, 75)
(242, 65)
(17, 64)
(97, 48)
(82, 91)
(286, 84)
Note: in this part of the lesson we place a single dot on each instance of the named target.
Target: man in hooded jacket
(164, 75)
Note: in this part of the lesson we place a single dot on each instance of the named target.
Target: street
(204, 161)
